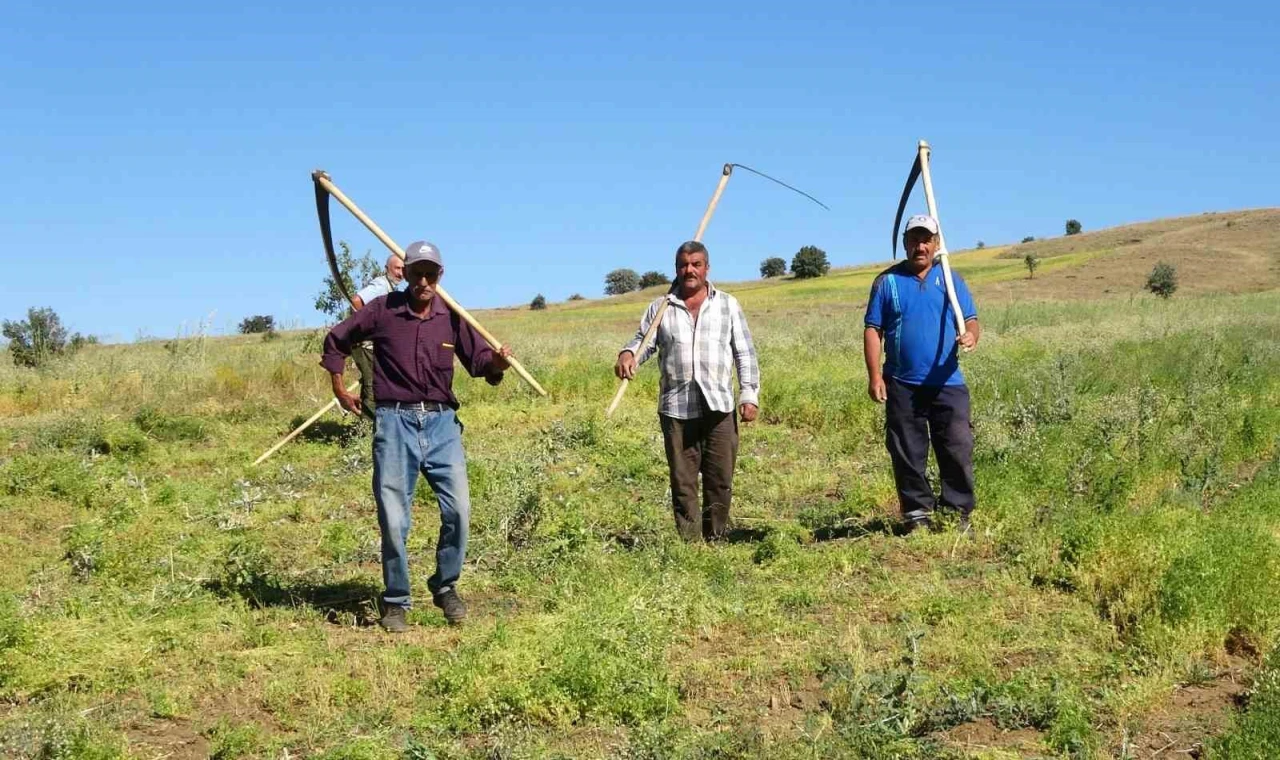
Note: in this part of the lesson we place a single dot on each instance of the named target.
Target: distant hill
(1227, 252)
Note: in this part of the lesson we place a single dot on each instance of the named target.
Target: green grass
(158, 595)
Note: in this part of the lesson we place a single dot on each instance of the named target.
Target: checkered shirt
(701, 356)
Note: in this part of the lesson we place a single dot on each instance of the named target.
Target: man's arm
(972, 332)
(872, 347)
(357, 302)
(337, 347)
(477, 356)
(625, 369)
(747, 363)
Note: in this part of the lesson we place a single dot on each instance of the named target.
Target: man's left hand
(748, 412)
(500, 363)
(968, 340)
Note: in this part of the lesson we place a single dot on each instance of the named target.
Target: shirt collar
(711, 293)
(402, 307)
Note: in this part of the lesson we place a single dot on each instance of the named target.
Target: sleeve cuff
(749, 396)
(336, 364)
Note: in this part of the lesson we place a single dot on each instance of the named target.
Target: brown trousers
(706, 445)
(363, 358)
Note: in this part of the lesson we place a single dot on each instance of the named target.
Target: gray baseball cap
(922, 220)
(421, 250)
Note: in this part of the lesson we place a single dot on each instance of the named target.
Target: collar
(401, 305)
(711, 293)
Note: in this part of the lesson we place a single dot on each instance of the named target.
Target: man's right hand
(876, 390)
(349, 402)
(625, 369)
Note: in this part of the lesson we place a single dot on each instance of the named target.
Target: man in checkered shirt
(702, 338)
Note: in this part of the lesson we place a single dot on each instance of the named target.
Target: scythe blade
(902, 202)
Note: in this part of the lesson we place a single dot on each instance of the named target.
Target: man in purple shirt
(415, 339)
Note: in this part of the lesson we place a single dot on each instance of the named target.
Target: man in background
(362, 354)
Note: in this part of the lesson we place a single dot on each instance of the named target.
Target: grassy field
(159, 598)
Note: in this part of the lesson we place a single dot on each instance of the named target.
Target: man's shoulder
(392, 300)
(892, 269)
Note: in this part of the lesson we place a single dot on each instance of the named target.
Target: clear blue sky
(156, 155)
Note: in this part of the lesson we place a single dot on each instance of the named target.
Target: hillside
(160, 598)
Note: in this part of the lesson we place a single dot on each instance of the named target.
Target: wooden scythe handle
(453, 305)
(662, 307)
(925, 152)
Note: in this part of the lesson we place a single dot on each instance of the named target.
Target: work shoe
(912, 524)
(393, 620)
(451, 605)
(965, 528)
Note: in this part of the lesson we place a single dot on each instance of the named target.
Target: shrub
(262, 323)
(1163, 280)
(577, 297)
(621, 281)
(39, 338)
(810, 261)
(1029, 239)
(1031, 262)
(773, 266)
(538, 303)
(981, 244)
(1073, 227)
(651, 278)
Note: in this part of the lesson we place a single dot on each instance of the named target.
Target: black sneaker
(911, 525)
(393, 620)
(451, 605)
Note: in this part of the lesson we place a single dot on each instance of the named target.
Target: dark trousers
(363, 357)
(706, 445)
(915, 416)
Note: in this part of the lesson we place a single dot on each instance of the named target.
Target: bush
(773, 267)
(1029, 239)
(810, 261)
(1031, 262)
(262, 323)
(650, 279)
(577, 297)
(1163, 280)
(981, 244)
(39, 338)
(538, 303)
(621, 281)
(1073, 227)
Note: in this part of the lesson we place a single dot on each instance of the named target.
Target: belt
(416, 406)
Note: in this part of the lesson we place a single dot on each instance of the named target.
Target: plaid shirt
(701, 356)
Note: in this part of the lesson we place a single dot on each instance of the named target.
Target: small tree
(577, 297)
(810, 261)
(538, 303)
(652, 278)
(621, 281)
(981, 245)
(1073, 227)
(362, 270)
(37, 339)
(774, 266)
(1032, 262)
(1029, 239)
(1163, 280)
(261, 323)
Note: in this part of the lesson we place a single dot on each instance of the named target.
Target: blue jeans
(405, 443)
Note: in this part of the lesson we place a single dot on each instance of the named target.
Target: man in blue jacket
(909, 322)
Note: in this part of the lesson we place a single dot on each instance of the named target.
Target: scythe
(920, 168)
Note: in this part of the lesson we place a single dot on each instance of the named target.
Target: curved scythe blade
(902, 202)
(780, 182)
(326, 233)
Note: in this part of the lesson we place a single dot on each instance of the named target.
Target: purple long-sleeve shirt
(412, 356)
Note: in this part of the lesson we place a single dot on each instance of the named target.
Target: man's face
(920, 245)
(395, 271)
(422, 277)
(691, 271)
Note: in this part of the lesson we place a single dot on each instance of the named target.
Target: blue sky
(157, 157)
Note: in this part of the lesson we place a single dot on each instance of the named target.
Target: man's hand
(500, 363)
(748, 412)
(876, 390)
(968, 340)
(625, 369)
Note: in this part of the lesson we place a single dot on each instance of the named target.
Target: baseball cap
(922, 220)
(421, 250)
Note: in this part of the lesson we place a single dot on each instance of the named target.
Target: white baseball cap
(922, 220)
